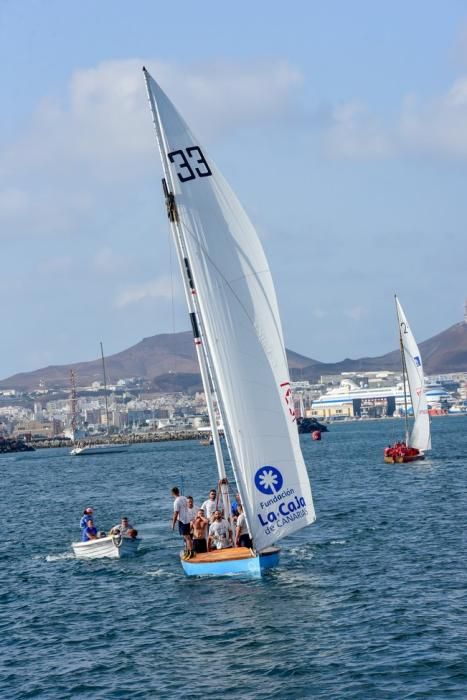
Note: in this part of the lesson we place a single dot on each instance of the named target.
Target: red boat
(399, 453)
(412, 375)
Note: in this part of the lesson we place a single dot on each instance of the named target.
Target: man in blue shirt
(87, 515)
(89, 532)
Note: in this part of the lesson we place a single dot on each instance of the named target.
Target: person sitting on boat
(87, 515)
(209, 506)
(89, 532)
(220, 534)
(242, 536)
(199, 531)
(181, 514)
(122, 528)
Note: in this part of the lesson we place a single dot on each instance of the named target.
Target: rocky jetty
(11, 445)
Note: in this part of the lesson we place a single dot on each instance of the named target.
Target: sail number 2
(187, 163)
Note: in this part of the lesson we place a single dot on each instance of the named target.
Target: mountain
(168, 362)
(442, 354)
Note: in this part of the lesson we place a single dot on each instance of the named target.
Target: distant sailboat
(98, 448)
(240, 348)
(419, 441)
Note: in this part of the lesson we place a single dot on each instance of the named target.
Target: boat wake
(168, 573)
(59, 557)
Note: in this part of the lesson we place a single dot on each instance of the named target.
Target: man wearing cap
(87, 515)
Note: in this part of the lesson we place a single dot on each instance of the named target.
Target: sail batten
(242, 332)
(420, 437)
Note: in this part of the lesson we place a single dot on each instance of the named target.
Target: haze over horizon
(343, 130)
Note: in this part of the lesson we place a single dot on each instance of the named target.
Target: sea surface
(369, 602)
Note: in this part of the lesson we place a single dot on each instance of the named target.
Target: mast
(404, 375)
(73, 404)
(191, 297)
(105, 390)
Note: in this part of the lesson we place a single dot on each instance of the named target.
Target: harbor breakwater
(117, 439)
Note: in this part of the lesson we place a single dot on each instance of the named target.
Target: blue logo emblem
(268, 480)
(417, 361)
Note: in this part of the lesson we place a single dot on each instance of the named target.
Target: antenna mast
(105, 389)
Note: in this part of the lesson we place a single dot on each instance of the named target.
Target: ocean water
(368, 603)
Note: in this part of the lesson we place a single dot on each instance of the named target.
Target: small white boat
(105, 448)
(111, 547)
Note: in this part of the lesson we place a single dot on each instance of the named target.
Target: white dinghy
(96, 449)
(111, 547)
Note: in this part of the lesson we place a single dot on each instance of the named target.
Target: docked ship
(349, 400)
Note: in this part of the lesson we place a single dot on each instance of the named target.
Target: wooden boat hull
(98, 450)
(403, 459)
(232, 561)
(106, 548)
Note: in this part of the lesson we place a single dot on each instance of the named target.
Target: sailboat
(98, 448)
(419, 441)
(240, 348)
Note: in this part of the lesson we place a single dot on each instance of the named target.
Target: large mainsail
(241, 329)
(420, 437)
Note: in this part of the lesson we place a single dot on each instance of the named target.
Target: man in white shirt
(192, 510)
(220, 533)
(181, 514)
(210, 505)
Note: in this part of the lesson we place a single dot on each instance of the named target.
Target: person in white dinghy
(124, 529)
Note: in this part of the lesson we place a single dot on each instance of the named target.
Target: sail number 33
(190, 163)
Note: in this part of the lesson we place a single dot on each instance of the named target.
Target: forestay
(420, 437)
(242, 331)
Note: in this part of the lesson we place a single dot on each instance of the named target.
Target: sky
(342, 127)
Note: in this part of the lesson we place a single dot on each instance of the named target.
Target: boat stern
(232, 562)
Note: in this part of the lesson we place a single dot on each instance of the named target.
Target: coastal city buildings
(48, 413)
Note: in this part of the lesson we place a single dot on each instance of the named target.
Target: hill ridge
(159, 357)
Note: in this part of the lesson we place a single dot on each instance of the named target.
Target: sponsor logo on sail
(283, 506)
(417, 360)
(268, 480)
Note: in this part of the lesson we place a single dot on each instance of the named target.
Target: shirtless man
(199, 532)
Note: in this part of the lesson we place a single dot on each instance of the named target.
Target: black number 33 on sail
(186, 170)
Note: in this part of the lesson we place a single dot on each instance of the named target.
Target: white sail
(242, 331)
(420, 437)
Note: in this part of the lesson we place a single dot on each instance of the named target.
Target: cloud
(354, 132)
(435, 127)
(40, 210)
(439, 126)
(106, 260)
(161, 288)
(319, 313)
(356, 313)
(98, 135)
(105, 115)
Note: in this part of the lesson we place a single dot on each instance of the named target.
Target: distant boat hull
(403, 459)
(98, 449)
(231, 562)
(106, 548)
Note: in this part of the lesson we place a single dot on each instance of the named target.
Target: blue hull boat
(231, 562)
